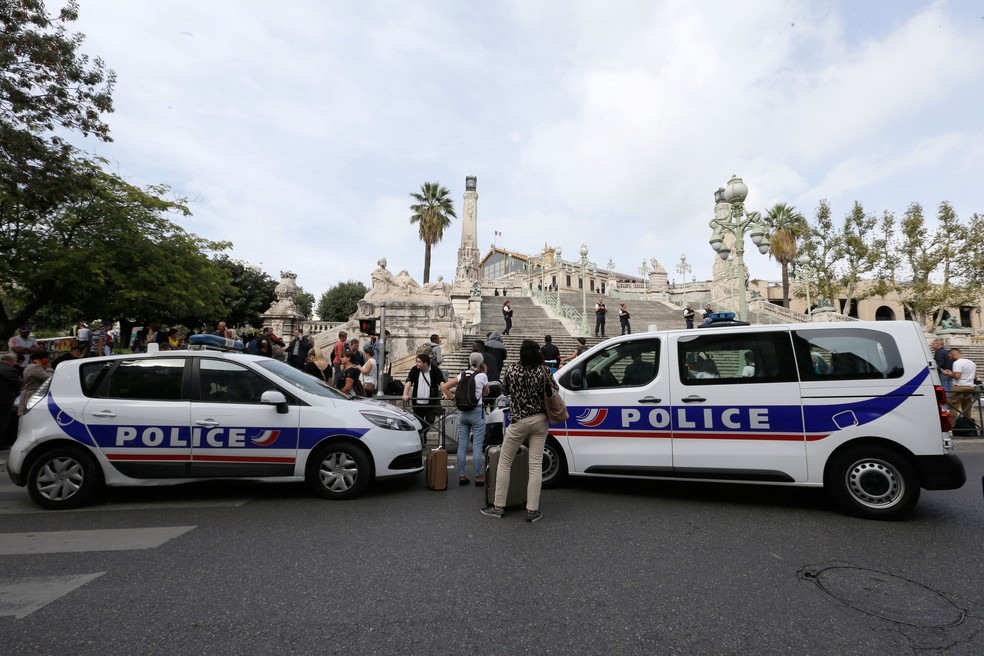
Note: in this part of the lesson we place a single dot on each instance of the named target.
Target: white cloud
(584, 122)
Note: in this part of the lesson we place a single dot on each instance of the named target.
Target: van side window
(742, 358)
(846, 354)
(629, 364)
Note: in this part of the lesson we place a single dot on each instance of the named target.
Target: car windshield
(300, 380)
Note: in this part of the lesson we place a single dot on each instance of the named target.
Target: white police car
(175, 416)
(856, 408)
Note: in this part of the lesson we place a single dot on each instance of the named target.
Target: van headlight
(389, 422)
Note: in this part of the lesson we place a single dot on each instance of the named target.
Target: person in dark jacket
(10, 388)
(943, 361)
(297, 350)
(495, 346)
(423, 386)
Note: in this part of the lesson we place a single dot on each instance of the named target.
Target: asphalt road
(615, 567)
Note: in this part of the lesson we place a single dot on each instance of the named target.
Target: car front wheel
(873, 482)
(339, 471)
(63, 478)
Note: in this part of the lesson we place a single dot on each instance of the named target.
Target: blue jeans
(472, 421)
(947, 383)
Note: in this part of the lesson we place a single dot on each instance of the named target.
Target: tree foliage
(927, 269)
(252, 293)
(47, 88)
(432, 213)
(341, 301)
(822, 243)
(108, 250)
(305, 301)
(786, 226)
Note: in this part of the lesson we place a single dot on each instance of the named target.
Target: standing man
(82, 334)
(423, 384)
(437, 358)
(298, 349)
(623, 319)
(10, 388)
(220, 329)
(495, 346)
(688, 315)
(600, 311)
(336, 358)
(551, 354)
(24, 345)
(962, 395)
(943, 362)
(507, 314)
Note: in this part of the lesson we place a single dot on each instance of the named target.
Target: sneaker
(492, 511)
(533, 516)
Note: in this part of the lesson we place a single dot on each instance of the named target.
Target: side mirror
(577, 379)
(277, 398)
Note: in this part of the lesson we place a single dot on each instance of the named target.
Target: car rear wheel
(339, 471)
(63, 478)
(873, 482)
(554, 464)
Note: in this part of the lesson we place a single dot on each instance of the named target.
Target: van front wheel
(872, 482)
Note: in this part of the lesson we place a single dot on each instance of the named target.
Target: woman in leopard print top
(525, 382)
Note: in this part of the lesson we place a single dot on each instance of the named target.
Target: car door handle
(650, 399)
(104, 414)
(207, 422)
(693, 398)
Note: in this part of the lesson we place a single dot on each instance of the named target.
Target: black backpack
(464, 392)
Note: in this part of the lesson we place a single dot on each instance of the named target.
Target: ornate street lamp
(806, 272)
(584, 289)
(557, 267)
(730, 218)
(684, 269)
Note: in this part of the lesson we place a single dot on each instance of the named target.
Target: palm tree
(786, 225)
(432, 213)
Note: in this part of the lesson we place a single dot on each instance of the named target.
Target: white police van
(856, 408)
(176, 416)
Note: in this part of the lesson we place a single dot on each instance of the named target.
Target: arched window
(884, 313)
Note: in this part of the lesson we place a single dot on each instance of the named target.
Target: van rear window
(846, 354)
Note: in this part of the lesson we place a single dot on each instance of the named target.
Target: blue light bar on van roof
(215, 342)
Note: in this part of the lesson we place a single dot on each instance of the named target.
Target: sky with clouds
(299, 129)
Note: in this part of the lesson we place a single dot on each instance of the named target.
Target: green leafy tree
(253, 291)
(786, 226)
(859, 252)
(341, 301)
(305, 302)
(823, 244)
(432, 213)
(110, 251)
(47, 88)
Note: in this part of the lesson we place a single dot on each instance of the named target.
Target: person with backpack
(467, 390)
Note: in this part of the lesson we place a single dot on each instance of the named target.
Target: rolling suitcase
(519, 476)
(437, 466)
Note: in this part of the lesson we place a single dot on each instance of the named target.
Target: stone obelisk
(468, 271)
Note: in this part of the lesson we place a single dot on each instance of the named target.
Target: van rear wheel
(873, 482)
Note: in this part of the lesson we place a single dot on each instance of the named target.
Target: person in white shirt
(961, 395)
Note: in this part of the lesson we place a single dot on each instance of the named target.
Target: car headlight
(389, 422)
(38, 395)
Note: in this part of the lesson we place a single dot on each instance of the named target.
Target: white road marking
(25, 506)
(116, 539)
(21, 597)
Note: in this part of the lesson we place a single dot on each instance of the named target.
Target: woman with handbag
(527, 383)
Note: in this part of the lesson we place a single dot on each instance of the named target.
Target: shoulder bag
(556, 410)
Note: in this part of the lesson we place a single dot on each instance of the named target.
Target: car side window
(628, 364)
(846, 354)
(220, 381)
(736, 358)
(145, 379)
